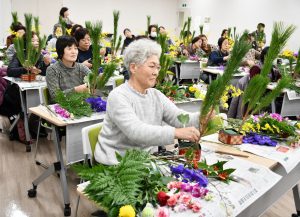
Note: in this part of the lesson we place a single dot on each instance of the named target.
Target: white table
(74, 148)
(31, 95)
(190, 105)
(216, 70)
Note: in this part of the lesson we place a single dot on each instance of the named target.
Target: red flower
(216, 168)
(162, 198)
(195, 164)
(223, 176)
(172, 201)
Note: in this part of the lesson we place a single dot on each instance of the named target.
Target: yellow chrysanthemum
(247, 127)
(258, 127)
(192, 89)
(276, 128)
(12, 32)
(68, 31)
(298, 125)
(126, 211)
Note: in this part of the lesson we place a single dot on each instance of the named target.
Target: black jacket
(15, 69)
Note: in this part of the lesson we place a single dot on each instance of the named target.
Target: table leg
(24, 109)
(296, 199)
(273, 106)
(55, 167)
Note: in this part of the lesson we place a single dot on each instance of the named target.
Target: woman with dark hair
(75, 27)
(221, 56)
(85, 53)
(64, 14)
(128, 39)
(224, 34)
(206, 48)
(66, 74)
(194, 48)
(18, 30)
(11, 104)
(152, 32)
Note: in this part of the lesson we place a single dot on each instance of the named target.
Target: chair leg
(37, 138)
(77, 205)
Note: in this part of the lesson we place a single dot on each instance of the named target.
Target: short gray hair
(139, 51)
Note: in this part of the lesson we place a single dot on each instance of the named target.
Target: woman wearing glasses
(136, 111)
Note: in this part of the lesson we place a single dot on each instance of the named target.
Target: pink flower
(180, 208)
(196, 207)
(172, 200)
(163, 212)
(276, 116)
(174, 184)
(186, 187)
(186, 198)
(199, 191)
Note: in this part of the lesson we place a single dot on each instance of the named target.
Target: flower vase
(185, 146)
(28, 77)
(230, 137)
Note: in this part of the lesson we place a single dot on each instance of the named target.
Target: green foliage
(63, 25)
(105, 76)
(201, 29)
(184, 119)
(213, 126)
(185, 33)
(254, 93)
(216, 170)
(171, 91)
(131, 182)
(297, 67)
(216, 88)
(95, 31)
(74, 103)
(36, 26)
(148, 24)
(164, 60)
(15, 18)
(116, 41)
(29, 55)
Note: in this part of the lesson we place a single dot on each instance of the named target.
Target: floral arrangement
(290, 56)
(97, 104)
(172, 91)
(74, 103)
(193, 91)
(233, 91)
(29, 58)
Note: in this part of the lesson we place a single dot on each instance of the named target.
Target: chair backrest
(89, 139)
(190, 70)
(117, 81)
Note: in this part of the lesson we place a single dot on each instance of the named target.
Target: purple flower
(100, 70)
(177, 170)
(199, 192)
(254, 138)
(186, 187)
(61, 111)
(97, 104)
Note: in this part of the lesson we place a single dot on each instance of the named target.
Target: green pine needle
(107, 73)
(15, 17)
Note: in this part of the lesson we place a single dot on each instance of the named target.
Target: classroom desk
(218, 71)
(73, 149)
(287, 182)
(30, 94)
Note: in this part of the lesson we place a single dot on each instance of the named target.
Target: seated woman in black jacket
(11, 104)
(15, 69)
(221, 56)
(85, 53)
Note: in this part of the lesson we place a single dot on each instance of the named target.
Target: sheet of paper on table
(287, 156)
(252, 181)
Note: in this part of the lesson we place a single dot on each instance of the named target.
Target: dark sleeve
(42, 66)
(15, 68)
(215, 58)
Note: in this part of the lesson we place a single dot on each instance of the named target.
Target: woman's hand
(35, 70)
(47, 60)
(189, 133)
(81, 88)
(86, 63)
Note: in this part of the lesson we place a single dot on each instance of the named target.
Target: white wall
(5, 20)
(246, 15)
(132, 13)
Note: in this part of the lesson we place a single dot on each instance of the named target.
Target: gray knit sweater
(135, 120)
(59, 76)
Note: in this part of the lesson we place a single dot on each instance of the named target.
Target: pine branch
(95, 31)
(63, 25)
(148, 24)
(201, 29)
(36, 26)
(15, 17)
(116, 15)
(258, 84)
(107, 73)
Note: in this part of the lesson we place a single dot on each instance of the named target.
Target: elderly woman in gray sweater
(136, 111)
